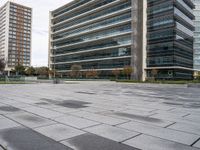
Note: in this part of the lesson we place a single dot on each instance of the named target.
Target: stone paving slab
(30, 120)
(175, 119)
(99, 118)
(93, 142)
(6, 123)
(190, 128)
(64, 109)
(43, 112)
(103, 108)
(192, 117)
(26, 139)
(164, 133)
(20, 105)
(94, 109)
(140, 118)
(59, 132)
(6, 109)
(112, 133)
(146, 142)
(76, 122)
(197, 144)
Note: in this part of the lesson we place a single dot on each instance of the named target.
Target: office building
(197, 35)
(97, 34)
(110, 34)
(15, 35)
(170, 38)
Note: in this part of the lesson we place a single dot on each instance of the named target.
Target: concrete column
(137, 39)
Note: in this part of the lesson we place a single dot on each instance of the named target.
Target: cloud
(40, 26)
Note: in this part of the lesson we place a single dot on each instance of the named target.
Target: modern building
(110, 34)
(97, 34)
(197, 35)
(15, 35)
(170, 38)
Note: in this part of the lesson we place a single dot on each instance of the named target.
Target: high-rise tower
(15, 35)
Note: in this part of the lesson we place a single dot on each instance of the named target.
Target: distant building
(197, 35)
(15, 35)
(111, 34)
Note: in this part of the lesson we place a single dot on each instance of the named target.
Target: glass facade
(197, 35)
(110, 34)
(93, 34)
(170, 38)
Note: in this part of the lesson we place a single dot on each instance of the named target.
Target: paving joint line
(131, 137)
(195, 142)
(1, 146)
(186, 115)
(170, 125)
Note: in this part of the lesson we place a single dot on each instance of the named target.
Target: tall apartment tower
(15, 35)
(197, 35)
(110, 34)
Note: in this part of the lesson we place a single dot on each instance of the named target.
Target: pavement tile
(76, 122)
(93, 142)
(30, 120)
(8, 109)
(20, 105)
(175, 119)
(193, 117)
(110, 132)
(109, 104)
(94, 109)
(142, 119)
(146, 142)
(99, 118)
(190, 128)
(43, 112)
(64, 109)
(164, 133)
(21, 138)
(197, 144)
(59, 132)
(7, 123)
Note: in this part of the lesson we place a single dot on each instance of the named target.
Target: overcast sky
(40, 26)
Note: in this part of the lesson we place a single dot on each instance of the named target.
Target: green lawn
(12, 82)
(160, 81)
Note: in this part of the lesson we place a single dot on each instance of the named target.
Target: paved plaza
(99, 116)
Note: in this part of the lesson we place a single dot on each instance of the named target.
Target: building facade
(110, 34)
(97, 34)
(170, 38)
(197, 35)
(15, 35)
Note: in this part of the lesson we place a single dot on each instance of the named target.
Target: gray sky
(40, 26)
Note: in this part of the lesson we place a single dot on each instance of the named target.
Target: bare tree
(92, 73)
(197, 75)
(116, 73)
(154, 72)
(128, 70)
(75, 71)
